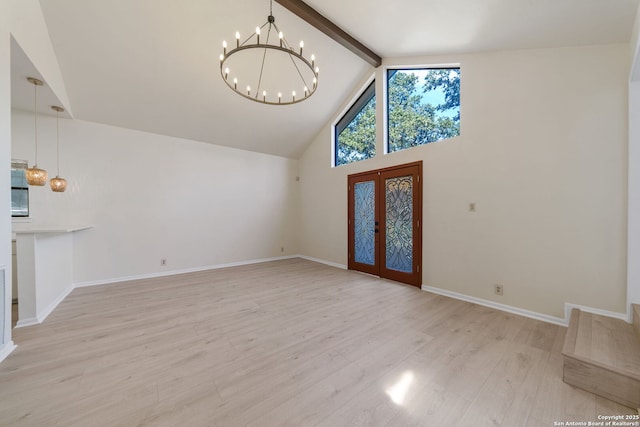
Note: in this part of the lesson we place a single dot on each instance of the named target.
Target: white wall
(542, 153)
(6, 344)
(633, 266)
(151, 197)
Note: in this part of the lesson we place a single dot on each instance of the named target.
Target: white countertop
(29, 229)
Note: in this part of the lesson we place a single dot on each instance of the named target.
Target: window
(355, 132)
(19, 189)
(423, 106)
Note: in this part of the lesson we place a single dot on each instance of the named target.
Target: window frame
(20, 164)
(385, 94)
(351, 111)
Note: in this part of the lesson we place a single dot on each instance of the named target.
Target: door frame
(379, 269)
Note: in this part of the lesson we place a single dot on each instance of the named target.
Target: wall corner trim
(41, 316)
(6, 349)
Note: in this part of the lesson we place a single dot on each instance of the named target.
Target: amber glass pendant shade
(58, 184)
(36, 176)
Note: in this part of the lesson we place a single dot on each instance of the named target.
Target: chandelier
(265, 68)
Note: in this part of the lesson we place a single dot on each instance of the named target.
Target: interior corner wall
(151, 197)
(5, 180)
(543, 155)
(633, 266)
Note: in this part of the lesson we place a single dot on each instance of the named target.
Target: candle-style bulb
(248, 90)
(258, 34)
(279, 97)
(281, 36)
(235, 83)
(221, 57)
(224, 46)
(237, 39)
(301, 46)
(313, 61)
(226, 73)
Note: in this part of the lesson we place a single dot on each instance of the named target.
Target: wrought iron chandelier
(257, 68)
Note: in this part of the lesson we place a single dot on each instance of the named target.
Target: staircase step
(602, 355)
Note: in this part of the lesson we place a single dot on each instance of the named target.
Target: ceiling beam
(313, 17)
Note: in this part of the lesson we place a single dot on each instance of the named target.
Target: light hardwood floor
(286, 343)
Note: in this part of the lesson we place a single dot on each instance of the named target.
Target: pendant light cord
(58, 142)
(35, 118)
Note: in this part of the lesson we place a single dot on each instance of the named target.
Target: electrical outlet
(163, 262)
(498, 290)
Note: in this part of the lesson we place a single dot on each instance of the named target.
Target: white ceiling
(153, 65)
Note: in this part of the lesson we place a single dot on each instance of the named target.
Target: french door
(385, 223)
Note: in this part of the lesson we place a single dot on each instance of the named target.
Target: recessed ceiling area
(22, 92)
(152, 65)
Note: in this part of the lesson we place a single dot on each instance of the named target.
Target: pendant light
(36, 176)
(58, 184)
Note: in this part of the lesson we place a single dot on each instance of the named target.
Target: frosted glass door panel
(365, 240)
(399, 223)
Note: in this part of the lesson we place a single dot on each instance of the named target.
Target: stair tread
(608, 342)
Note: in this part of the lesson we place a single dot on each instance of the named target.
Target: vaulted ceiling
(153, 65)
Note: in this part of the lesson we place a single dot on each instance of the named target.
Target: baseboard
(527, 313)
(29, 321)
(6, 349)
(502, 307)
(49, 309)
(40, 317)
(322, 261)
(181, 271)
(568, 307)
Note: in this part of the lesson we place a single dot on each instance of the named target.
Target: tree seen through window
(423, 106)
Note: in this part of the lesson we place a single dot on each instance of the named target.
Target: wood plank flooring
(286, 343)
